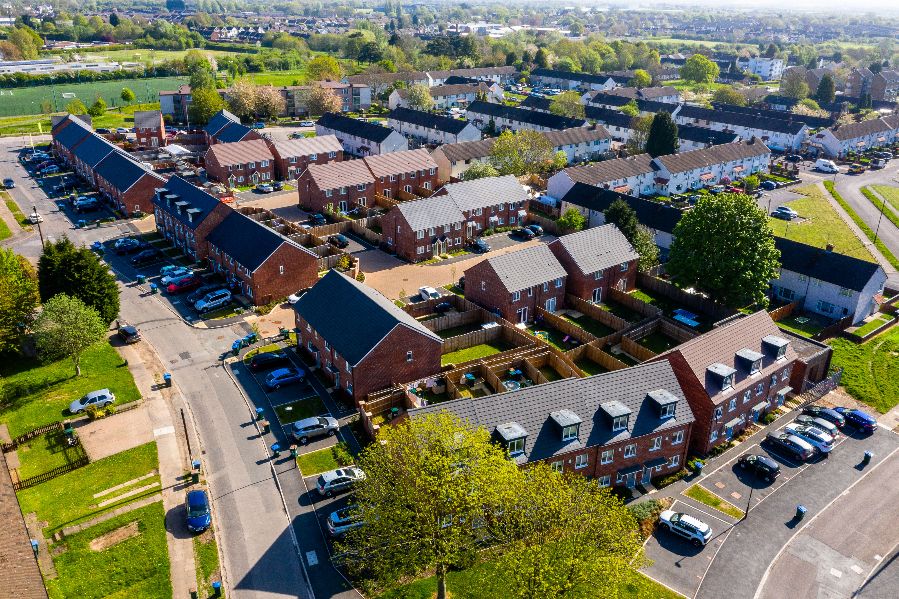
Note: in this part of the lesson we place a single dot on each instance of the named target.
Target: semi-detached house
(482, 114)
(596, 260)
(240, 163)
(431, 128)
(677, 173)
(336, 186)
(224, 127)
(360, 138)
(293, 156)
(781, 135)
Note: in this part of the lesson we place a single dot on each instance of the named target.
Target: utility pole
(38, 223)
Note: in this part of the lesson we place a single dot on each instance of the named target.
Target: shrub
(719, 449)
(94, 413)
(769, 417)
(360, 277)
(664, 481)
(693, 464)
(647, 514)
(342, 454)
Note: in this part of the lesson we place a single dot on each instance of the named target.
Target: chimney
(828, 248)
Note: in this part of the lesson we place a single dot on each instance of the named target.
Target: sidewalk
(869, 245)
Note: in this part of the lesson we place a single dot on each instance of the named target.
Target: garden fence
(820, 389)
(692, 301)
(58, 471)
(41, 430)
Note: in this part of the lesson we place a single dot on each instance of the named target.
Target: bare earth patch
(113, 537)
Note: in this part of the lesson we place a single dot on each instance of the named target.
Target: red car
(733, 189)
(186, 284)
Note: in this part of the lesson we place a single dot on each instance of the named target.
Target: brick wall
(300, 272)
(240, 172)
(145, 137)
(140, 196)
(284, 169)
(422, 179)
(313, 199)
(582, 284)
(483, 287)
(192, 241)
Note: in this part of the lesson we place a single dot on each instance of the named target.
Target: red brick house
(596, 260)
(336, 186)
(293, 157)
(622, 428)
(409, 171)
(421, 229)
(149, 128)
(241, 163)
(224, 128)
(731, 376)
(514, 285)
(489, 202)
(360, 339)
(68, 133)
(258, 262)
(129, 185)
(185, 215)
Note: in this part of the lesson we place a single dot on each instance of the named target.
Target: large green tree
(205, 103)
(645, 244)
(662, 138)
(699, 69)
(567, 104)
(19, 298)
(65, 328)
(78, 272)
(724, 247)
(521, 153)
(572, 220)
(793, 84)
(323, 67)
(620, 214)
(641, 79)
(728, 95)
(98, 108)
(479, 170)
(420, 97)
(826, 91)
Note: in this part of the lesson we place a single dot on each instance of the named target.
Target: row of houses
(451, 96)
(255, 161)
(485, 115)
(501, 75)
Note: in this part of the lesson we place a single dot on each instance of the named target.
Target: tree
(620, 214)
(728, 95)
(631, 109)
(323, 67)
(640, 79)
(645, 244)
(127, 95)
(320, 100)
(114, 19)
(572, 220)
(242, 99)
(875, 67)
(65, 328)
(269, 102)
(19, 298)
(750, 183)
(567, 104)
(76, 106)
(26, 40)
(521, 153)
(419, 97)
(699, 69)
(541, 58)
(636, 141)
(479, 170)
(826, 91)
(771, 51)
(662, 138)
(559, 161)
(724, 247)
(793, 84)
(205, 103)
(65, 268)
(98, 108)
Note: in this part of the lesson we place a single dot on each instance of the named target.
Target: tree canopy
(620, 214)
(793, 84)
(323, 67)
(320, 100)
(76, 271)
(826, 91)
(521, 153)
(19, 298)
(65, 328)
(127, 95)
(205, 103)
(641, 79)
(567, 104)
(699, 69)
(728, 95)
(572, 220)
(662, 138)
(479, 170)
(420, 97)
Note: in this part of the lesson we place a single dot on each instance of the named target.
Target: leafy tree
(127, 95)
(620, 214)
(641, 79)
(826, 91)
(98, 108)
(771, 51)
(559, 161)
(572, 220)
(793, 84)
(479, 170)
(645, 244)
(728, 95)
(567, 104)
(724, 247)
(631, 109)
(420, 97)
(875, 67)
(541, 58)
(323, 67)
(65, 268)
(205, 103)
(640, 126)
(76, 106)
(65, 328)
(662, 138)
(242, 99)
(19, 298)
(699, 69)
(320, 100)
(114, 19)
(750, 183)
(521, 153)
(269, 102)
(26, 40)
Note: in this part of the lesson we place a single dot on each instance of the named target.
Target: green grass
(870, 369)
(144, 56)
(589, 366)
(657, 342)
(890, 193)
(823, 225)
(553, 336)
(475, 352)
(52, 386)
(135, 567)
(69, 498)
(876, 323)
(810, 328)
(594, 327)
(459, 330)
(279, 78)
(710, 499)
(878, 243)
(881, 204)
(44, 453)
(206, 557)
(5, 233)
(316, 462)
(302, 408)
(550, 373)
(40, 123)
(271, 347)
(16, 211)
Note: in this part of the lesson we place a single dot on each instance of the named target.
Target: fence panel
(58, 471)
(451, 320)
(596, 313)
(833, 330)
(471, 339)
(632, 303)
(549, 226)
(636, 350)
(41, 430)
(557, 322)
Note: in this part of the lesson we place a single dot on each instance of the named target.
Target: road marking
(856, 568)
(165, 430)
(731, 524)
(836, 573)
(311, 558)
(878, 557)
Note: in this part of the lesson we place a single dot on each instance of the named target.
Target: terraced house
(451, 95)
(677, 173)
(596, 260)
(360, 138)
(224, 127)
(410, 172)
(186, 215)
(839, 140)
(241, 163)
(633, 175)
(778, 134)
(483, 114)
(336, 186)
(149, 128)
(431, 128)
(294, 156)
(129, 185)
(68, 133)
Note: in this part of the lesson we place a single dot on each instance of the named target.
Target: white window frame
(677, 438)
(516, 446)
(409, 356)
(516, 295)
(617, 423)
(675, 461)
(607, 456)
(630, 451)
(604, 480)
(569, 433)
(581, 461)
(557, 466)
(656, 444)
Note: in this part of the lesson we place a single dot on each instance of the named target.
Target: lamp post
(38, 223)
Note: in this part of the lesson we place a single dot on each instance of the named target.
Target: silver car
(693, 529)
(812, 435)
(100, 398)
(310, 428)
(337, 481)
(825, 425)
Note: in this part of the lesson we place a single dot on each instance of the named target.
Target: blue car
(198, 515)
(860, 420)
(284, 376)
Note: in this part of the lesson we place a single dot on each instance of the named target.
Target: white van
(826, 166)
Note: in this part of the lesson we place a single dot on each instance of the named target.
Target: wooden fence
(636, 350)
(456, 319)
(834, 329)
(634, 304)
(423, 308)
(503, 333)
(784, 311)
(596, 313)
(37, 432)
(58, 471)
(666, 326)
(557, 322)
(692, 301)
(594, 353)
(549, 226)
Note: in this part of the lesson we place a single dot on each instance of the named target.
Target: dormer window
(568, 422)
(513, 436)
(751, 360)
(665, 402)
(775, 346)
(723, 374)
(618, 413)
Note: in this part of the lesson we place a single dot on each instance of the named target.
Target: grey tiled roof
(147, 119)
(831, 267)
(853, 130)
(522, 115)
(694, 159)
(434, 211)
(487, 191)
(429, 120)
(527, 267)
(598, 248)
(531, 409)
(361, 129)
(611, 170)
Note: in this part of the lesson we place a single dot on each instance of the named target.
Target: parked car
(174, 275)
(537, 229)
(763, 466)
(790, 444)
(825, 413)
(49, 170)
(122, 130)
(295, 297)
(428, 293)
(318, 220)
(343, 521)
(264, 188)
(269, 359)
(479, 246)
(858, 419)
(339, 240)
(277, 185)
(311, 428)
(129, 245)
(200, 292)
(826, 166)
(35, 218)
(856, 169)
(812, 435)
(129, 334)
(259, 125)
(693, 529)
(100, 398)
(716, 189)
(213, 300)
(307, 124)
(523, 233)
(284, 376)
(443, 307)
(86, 204)
(337, 481)
(147, 256)
(196, 506)
(825, 425)
(186, 284)
(884, 155)
(785, 213)
(9, 183)
(769, 185)
(878, 163)
(793, 158)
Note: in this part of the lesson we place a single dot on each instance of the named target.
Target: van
(826, 166)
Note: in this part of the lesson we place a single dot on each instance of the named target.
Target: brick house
(408, 171)
(336, 186)
(240, 163)
(294, 156)
(224, 127)
(89, 153)
(421, 229)
(360, 339)
(258, 262)
(68, 133)
(514, 285)
(149, 128)
(129, 185)
(489, 202)
(176, 103)
(731, 376)
(186, 214)
(622, 428)
(596, 260)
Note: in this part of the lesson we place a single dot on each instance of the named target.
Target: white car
(428, 293)
(693, 529)
(812, 435)
(35, 218)
(307, 124)
(174, 275)
(295, 297)
(825, 425)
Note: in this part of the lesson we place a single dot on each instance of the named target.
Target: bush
(360, 277)
(342, 454)
(693, 464)
(719, 449)
(94, 413)
(647, 514)
(664, 481)
(768, 418)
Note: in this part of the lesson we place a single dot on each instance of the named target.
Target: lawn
(594, 327)
(812, 325)
(134, 567)
(823, 225)
(206, 557)
(44, 453)
(589, 366)
(271, 347)
(279, 78)
(871, 369)
(551, 335)
(475, 352)
(35, 394)
(890, 197)
(316, 462)
(459, 330)
(302, 408)
(889, 193)
(69, 498)
(710, 499)
(876, 323)
(657, 342)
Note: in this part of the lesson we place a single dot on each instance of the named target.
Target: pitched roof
(598, 248)
(241, 152)
(645, 93)
(219, 121)
(788, 126)
(526, 267)
(452, 89)
(350, 126)
(72, 134)
(705, 157)
(816, 263)
(566, 75)
(466, 150)
(703, 135)
(610, 170)
(486, 191)
(232, 133)
(434, 211)
(531, 408)
(395, 163)
(305, 146)
(94, 149)
(655, 215)
(539, 119)
(365, 316)
(20, 573)
(84, 119)
(250, 243)
(340, 174)
(609, 117)
(122, 172)
(147, 119)
(195, 199)
(814, 122)
(576, 135)
(853, 130)
(428, 120)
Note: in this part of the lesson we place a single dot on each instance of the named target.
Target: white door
(597, 295)
(522, 314)
(342, 205)
(551, 304)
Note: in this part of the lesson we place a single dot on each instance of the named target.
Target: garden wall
(456, 319)
(779, 314)
(636, 350)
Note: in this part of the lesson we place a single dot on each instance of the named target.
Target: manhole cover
(184, 355)
(720, 485)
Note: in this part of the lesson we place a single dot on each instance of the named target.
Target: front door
(551, 304)
(631, 481)
(647, 475)
(254, 178)
(341, 205)
(597, 295)
(523, 314)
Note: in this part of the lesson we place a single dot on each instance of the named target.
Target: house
(841, 139)
(336, 186)
(88, 154)
(778, 134)
(664, 94)
(68, 133)
(241, 163)
(360, 138)
(451, 96)
(504, 74)
(454, 159)
(635, 174)
(431, 128)
(596, 259)
(354, 97)
(885, 86)
(176, 103)
(566, 80)
(677, 173)
(769, 69)
(830, 284)
(731, 376)
(621, 428)
(224, 127)
(485, 115)
(858, 82)
(409, 172)
(56, 119)
(293, 156)
(421, 229)
(186, 214)
(128, 184)
(489, 202)
(361, 341)
(258, 262)
(149, 128)
(813, 122)
(691, 137)
(514, 285)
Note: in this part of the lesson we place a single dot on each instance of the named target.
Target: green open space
(40, 123)
(873, 324)
(271, 347)
(16, 211)
(710, 499)
(69, 499)
(475, 352)
(316, 462)
(861, 224)
(302, 408)
(594, 327)
(889, 193)
(35, 393)
(5, 232)
(206, 557)
(136, 566)
(870, 369)
(806, 325)
(149, 55)
(459, 330)
(889, 198)
(279, 78)
(657, 342)
(46, 452)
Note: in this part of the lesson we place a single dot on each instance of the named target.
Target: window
(332, 154)
(501, 207)
(281, 270)
(607, 456)
(677, 438)
(728, 382)
(346, 366)
(458, 241)
(623, 267)
(530, 292)
(409, 356)
(619, 423)
(746, 395)
(240, 179)
(785, 374)
(419, 235)
(516, 295)
(604, 481)
(546, 287)
(478, 212)
(263, 164)
(556, 466)
(360, 187)
(656, 444)
(756, 366)
(846, 292)
(328, 192)
(760, 388)
(327, 347)
(420, 250)
(597, 276)
(343, 191)
(569, 433)
(392, 178)
(580, 461)
(431, 231)
(483, 285)
(630, 450)
(516, 446)
(774, 379)
(718, 413)
(313, 157)
(714, 436)
(668, 410)
(558, 283)
(675, 460)
(431, 171)
(732, 405)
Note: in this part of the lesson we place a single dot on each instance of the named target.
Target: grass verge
(16, 211)
(889, 193)
(316, 462)
(811, 325)
(862, 225)
(206, 557)
(872, 325)
(710, 499)
(271, 347)
(302, 408)
(880, 204)
(870, 369)
(5, 232)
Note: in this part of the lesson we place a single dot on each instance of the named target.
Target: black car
(102, 131)
(277, 185)
(826, 414)
(318, 220)
(443, 307)
(129, 245)
(338, 240)
(147, 256)
(269, 360)
(129, 334)
(524, 233)
(537, 229)
(9, 183)
(89, 205)
(793, 158)
(763, 466)
(479, 246)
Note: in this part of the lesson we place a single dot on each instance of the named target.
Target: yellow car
(856, 169)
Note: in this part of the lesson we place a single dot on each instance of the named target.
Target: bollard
(265, 426)
(259, 413)
(216, 589)
(293, 451)
(800, 512)
(276, 450)
(867, 458)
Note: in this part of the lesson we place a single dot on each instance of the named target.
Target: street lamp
(38, 223)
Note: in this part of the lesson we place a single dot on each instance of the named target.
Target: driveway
(108, 436)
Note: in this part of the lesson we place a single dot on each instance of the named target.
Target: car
(339, 240)
(122, 130)
(259, 125)
(763, 466)
(732, 189)
(200, 292)
(337, 481)
(284, 376)
(769, 185)
(878, 163)
(186, 284)
(793, 158)
(35, 218)
(310, 428)
(49, 170)
(785, 213)
(856, 169)
(213, 301)
(9, 183)
(537, 229)
(129, 245)
(100, 398)
(825, 413)
(147, 256)
(174, 275)
(295, 297)
(307, 124)
(196, 507)
(716, 189)
(428, 293)
(264, 188)
(858, 419)
(812, 435)
(102, 131)
(318, 220)
(523, 233)
(277, 185)
(790, 444)
(129, 334)
(884, 155)
(479, 246)
(343, 521)
(443, 307)
(269, 359)
(693, 529)
(86, 204)
(825, 425)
